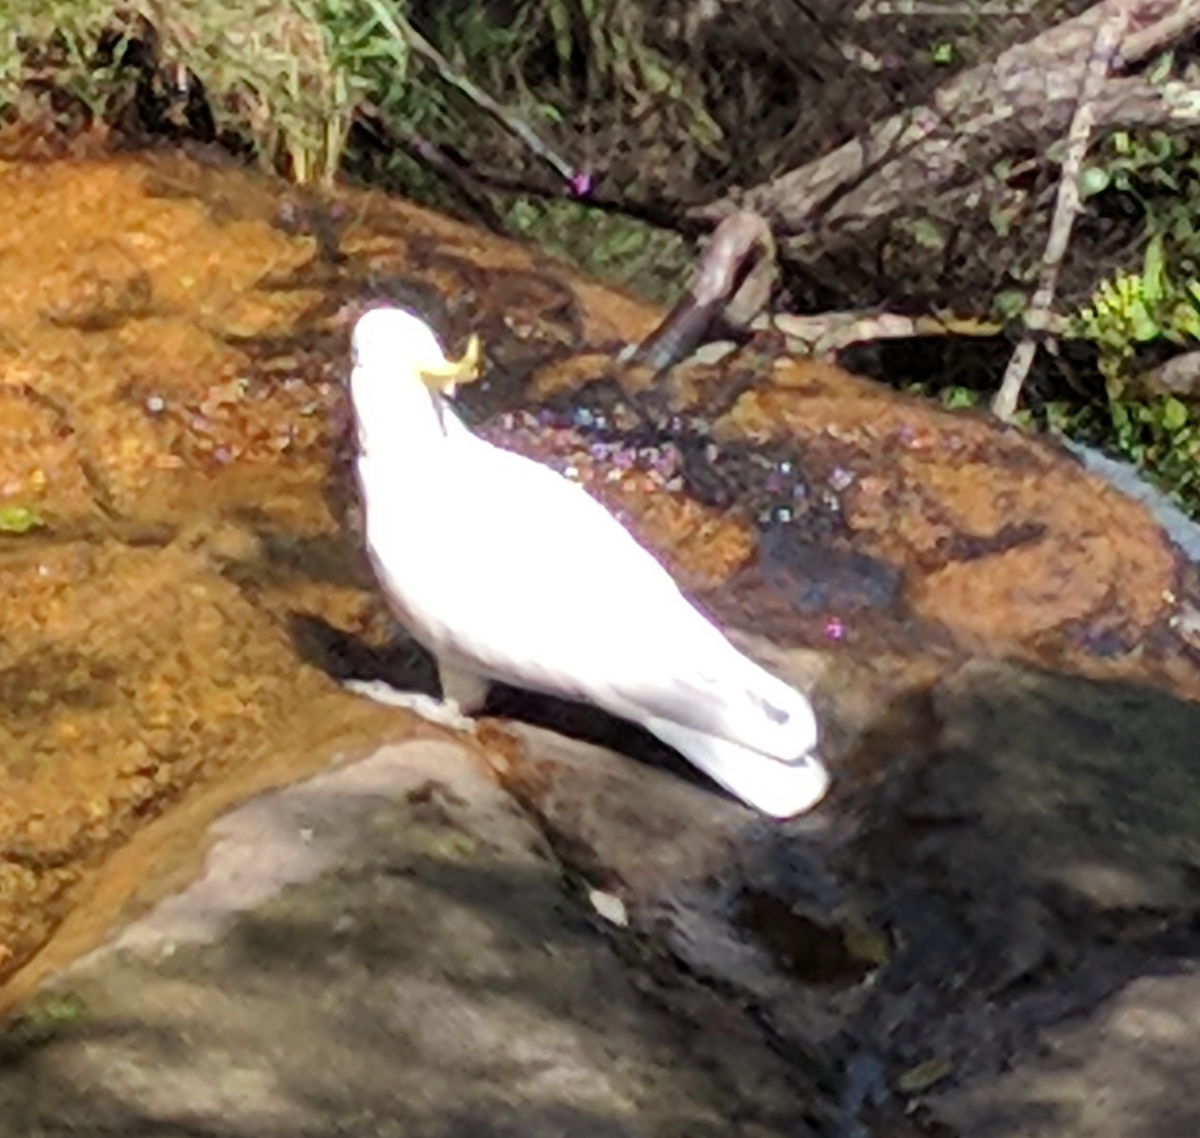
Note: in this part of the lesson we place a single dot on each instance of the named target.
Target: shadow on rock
(1022, 888)
(1008, 868)
(406, 666)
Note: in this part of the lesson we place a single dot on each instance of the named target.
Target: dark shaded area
(815, 577)
(1017, 868)
(812, 952)
(1024, 870)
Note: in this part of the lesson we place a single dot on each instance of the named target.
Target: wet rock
(686, 860)
(819, 576)
(989, 528)
(1041, 856)
(383, 950)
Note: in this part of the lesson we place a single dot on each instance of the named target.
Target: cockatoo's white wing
(549, 591)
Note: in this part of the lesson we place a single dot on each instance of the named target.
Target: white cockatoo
(507, 571)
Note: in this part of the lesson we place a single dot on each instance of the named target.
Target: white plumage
(507, 571)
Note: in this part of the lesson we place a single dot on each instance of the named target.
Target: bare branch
(1066, 209)
(823, 336)
(1134, 103)
(1027, 96)
(1176, 22)
(734, 278)
(399, 27)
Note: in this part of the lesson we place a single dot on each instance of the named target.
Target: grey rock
(385, 950)
(1132, 1067)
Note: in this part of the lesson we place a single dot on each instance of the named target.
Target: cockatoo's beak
(453, 372)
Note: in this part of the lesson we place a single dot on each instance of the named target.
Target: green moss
(653, 263)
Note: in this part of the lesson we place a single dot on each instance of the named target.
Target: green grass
(284, 74)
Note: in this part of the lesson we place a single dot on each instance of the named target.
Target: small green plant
(1131, 309)
(46, 1018)
(16, 519)
(654, 263)
(1159, 172)
(1135, 314)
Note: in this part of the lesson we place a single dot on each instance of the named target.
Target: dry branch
(1066, 209)
(823, 336)
(733, 279)
(1024, 99)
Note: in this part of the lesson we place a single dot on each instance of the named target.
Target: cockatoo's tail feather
(506, 570)
(716, 690)
(782, 790)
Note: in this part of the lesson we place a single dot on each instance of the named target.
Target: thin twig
(398, 26)
(653, 211)
(433, 158)
(463, 172)
(1066, 210)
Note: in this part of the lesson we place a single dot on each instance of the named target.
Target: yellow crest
(466, 369)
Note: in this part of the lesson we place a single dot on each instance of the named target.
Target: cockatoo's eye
(450, 373)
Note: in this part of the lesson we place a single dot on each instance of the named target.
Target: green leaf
(1094, 180)
(1010, 303)
(560, 25)
(1145, 327)
(927, 234)
(1174, 414)
(1187, 321)
(1154, 271)
(1160, 69)
(957, 397)
(19, 519)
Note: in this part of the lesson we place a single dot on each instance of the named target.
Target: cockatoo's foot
(444, 712)
(465, 690)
